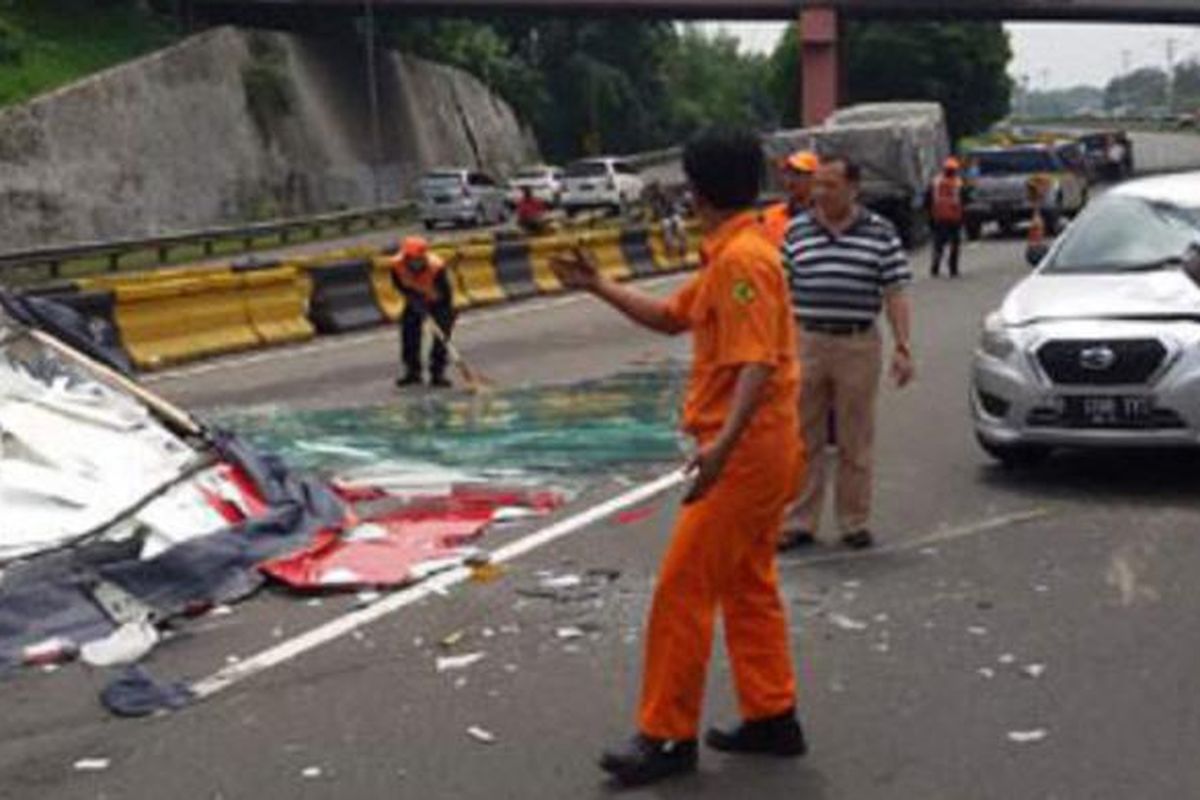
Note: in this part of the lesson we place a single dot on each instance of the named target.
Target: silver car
(1100, 346)
(461, 197)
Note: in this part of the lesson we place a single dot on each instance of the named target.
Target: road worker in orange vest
(946, 202)
(797, 171)
(1036, 188)
(423, 278)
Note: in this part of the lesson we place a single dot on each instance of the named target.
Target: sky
(1051, 55)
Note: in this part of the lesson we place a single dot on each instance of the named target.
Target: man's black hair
(725, 166)
(851, 168)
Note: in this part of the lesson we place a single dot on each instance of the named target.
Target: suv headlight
(995, 339)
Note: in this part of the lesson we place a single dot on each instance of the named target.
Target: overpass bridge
(818, 21)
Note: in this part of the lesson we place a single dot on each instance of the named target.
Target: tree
(963, 66)
(708, 79)
(1141, 89)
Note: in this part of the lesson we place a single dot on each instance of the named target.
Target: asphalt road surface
(1017, 635)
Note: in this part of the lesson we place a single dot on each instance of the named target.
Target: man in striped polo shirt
(845, 264)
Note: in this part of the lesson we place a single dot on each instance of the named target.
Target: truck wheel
(974, 230)
(1007, 227)
(429, 225)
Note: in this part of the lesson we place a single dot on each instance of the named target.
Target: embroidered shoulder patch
(743, 292)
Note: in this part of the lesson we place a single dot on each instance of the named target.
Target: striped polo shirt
(842, 279)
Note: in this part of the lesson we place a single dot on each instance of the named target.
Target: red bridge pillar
(819, 64)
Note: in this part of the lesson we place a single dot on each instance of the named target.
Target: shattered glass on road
(589, 428)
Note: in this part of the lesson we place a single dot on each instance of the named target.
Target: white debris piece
(569, 632)
(1007, 658)
(1033, 670)
(987, 673)
(562, 582)
(311, 772)
(481, 735)
(92, 764)
(449, 663)
(847, 623)
(977, 630)
(366, 598)
(220, 611)
(1028, 737)
(127, 644)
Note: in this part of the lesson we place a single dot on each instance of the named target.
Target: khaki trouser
(840, 374)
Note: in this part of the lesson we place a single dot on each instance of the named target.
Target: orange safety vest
(422, 282)
(947, 200)
(1037, 228)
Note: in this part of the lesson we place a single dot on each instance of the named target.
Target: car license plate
(1108, 411)
(443, 200)
(586, 187)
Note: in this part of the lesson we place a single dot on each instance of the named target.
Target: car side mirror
(1034, 253)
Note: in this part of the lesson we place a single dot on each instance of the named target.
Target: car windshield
(441, 182)
(587, 169)
(1126, 234)
(1013, 162)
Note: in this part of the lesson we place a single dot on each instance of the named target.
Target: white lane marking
(941, 537)
(436, 585)
(387, 332)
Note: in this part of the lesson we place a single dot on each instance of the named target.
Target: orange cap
(414, 247)
(802, 161)
(952, 164)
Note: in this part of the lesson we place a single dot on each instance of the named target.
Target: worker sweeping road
(741, 409)
(424, 280)
(797, 172)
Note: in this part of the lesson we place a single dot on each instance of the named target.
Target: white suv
(545, 183)
(601, 183)
(461, 197)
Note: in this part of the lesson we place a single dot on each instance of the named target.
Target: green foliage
(47, 43)
(1058, 103)
(1141, 89)
(961, 65)
(587, 86)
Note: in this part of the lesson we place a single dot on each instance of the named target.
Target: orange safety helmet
(803, 161)
(414, 247)
(952, 164)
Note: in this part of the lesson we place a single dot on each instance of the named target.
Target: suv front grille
(1113, 362)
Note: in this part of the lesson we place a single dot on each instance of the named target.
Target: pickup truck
(997, 179)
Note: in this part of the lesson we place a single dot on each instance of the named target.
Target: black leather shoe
(775, 736)
(644, 759)
(794, 540)
(408, 380)
(440, 382)
(859, 540)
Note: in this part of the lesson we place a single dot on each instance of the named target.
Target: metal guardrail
(52, 259)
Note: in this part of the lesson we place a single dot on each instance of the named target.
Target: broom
(472, 379)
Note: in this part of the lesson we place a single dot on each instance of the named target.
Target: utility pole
(1171, 42)
(373, 100)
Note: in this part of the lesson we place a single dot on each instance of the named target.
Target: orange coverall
(722, 552)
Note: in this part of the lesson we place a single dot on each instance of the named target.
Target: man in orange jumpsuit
(797, 170)
(424, 280)
(741, 408)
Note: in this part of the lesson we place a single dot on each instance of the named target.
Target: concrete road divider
(171, 321)
(606, 246)
(477, 272)
(541, 251)
(635, 247)
(391, 302)
(277, 304)
(514, 269)
(343, 297)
